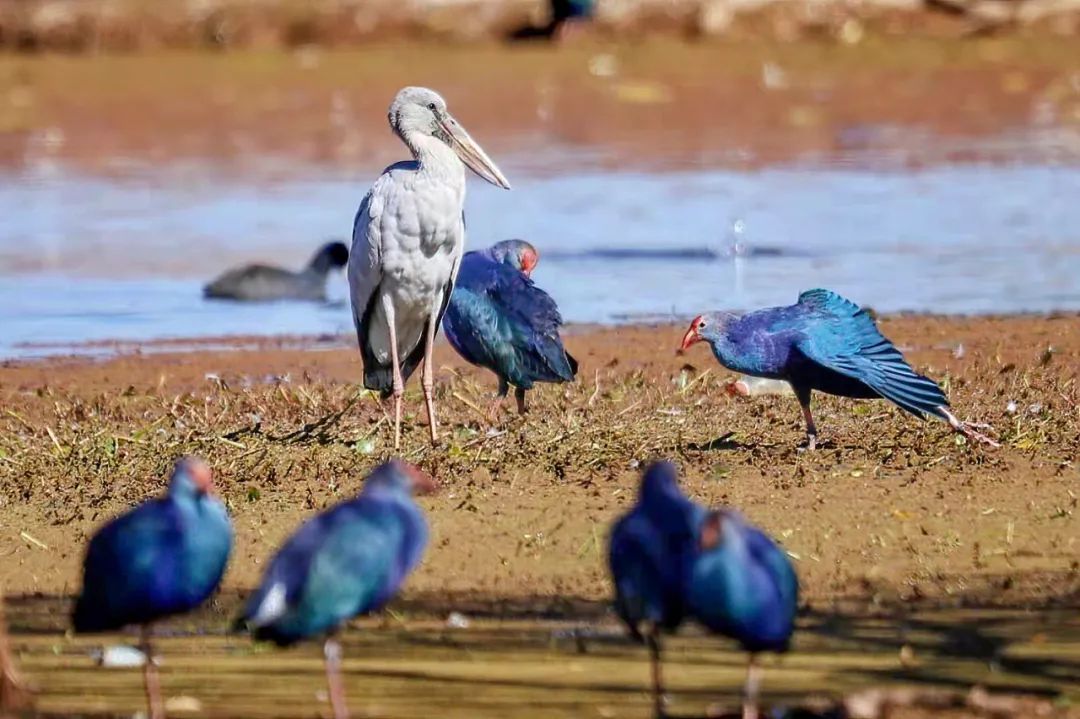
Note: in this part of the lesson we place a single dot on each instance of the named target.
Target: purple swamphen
(673, 559)
(349, 560)
(164, 557)
(650, 554)
(500, 320)
(826, 343)
(743, 586)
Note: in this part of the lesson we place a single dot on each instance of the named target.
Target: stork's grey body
(408, 239)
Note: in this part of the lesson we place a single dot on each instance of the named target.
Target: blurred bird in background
(263, 283)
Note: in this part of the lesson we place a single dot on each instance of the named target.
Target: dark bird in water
(499, 319)
(743, 586)
(262, 283)
(164, 557)
(347, 561)
(826, 343)
(651, 553)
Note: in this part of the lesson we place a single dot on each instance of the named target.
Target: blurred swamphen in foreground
(827, 343)
(650, 554)
(347, 561)
(164, 557)
(672, 558)
(500, 320)
(743, 586)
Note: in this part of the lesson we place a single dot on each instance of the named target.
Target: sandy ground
(890, 510)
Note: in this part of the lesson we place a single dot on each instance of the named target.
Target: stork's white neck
(436, 159)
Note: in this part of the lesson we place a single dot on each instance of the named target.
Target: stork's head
(420, 112)
(519, 254)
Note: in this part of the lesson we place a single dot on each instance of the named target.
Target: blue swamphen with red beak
(500, 320)
(826, 343)
(671, 559)
(347, 561)
(164, 557)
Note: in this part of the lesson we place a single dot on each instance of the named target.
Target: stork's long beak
(689, 338)
(472, 154)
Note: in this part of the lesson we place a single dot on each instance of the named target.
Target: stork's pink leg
(151, 681)
(429, 377)
(967, 429)
(399, 383)
(332, 655)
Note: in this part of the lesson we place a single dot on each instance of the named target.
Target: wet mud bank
(100, 25)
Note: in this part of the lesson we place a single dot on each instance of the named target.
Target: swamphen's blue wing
(164, 557)
(743, 585)
(347, 562)
(131, 572)
(499, 319)
(842, 337)
(641, 571)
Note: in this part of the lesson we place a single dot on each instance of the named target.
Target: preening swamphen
(164, 557)
(827, 343)
(650, 554)
(499, 319)
(347, 561)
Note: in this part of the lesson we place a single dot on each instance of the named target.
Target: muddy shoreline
(659, 105)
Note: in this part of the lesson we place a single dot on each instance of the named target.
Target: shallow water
(85, 259)
(529, 667)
